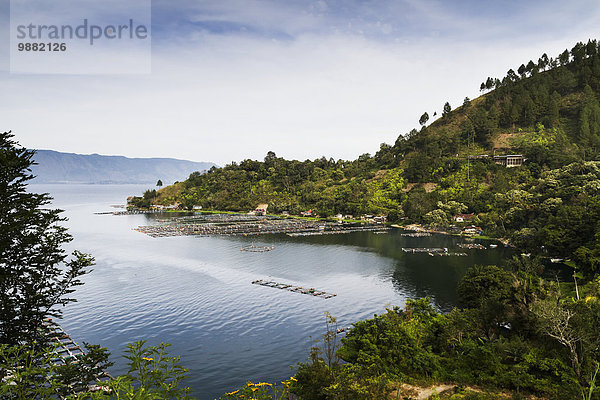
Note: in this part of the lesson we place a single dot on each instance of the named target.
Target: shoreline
(421, 228)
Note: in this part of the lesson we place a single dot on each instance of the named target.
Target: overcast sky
(233, 79)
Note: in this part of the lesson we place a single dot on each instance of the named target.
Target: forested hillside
(547, 111)
(517, 331)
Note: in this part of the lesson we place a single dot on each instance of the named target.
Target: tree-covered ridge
(548, 111)
(329, 186)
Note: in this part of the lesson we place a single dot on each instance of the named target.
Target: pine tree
(564, 57)
(36, 275)
(446, 110)
(543, 62)
(522, 70)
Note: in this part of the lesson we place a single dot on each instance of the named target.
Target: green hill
(548, 111)
(518, 331)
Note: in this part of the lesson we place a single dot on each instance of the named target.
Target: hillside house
(261, 209)
(462, 217)
(511, 160)
(472, 230)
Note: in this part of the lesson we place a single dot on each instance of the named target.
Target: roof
(467, 216)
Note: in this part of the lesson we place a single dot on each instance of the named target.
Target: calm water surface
(195, 292)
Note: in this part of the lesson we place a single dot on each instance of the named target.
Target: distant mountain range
(56, 167)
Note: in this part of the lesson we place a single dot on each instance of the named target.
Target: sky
(233, 79)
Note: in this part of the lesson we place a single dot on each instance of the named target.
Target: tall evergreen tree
(578, 52)
(447, 109)
(564, 57)
(512, 75)
(543, 62)
(36, 274)
(532, 67)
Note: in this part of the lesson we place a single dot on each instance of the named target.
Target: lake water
(196, 293)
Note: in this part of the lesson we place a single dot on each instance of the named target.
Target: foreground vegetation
(516, 332)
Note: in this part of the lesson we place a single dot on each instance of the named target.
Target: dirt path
(421, 393)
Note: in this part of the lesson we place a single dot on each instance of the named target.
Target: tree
(36, 275)
(466, 102)
(532, 67)
(447, 109)
(159, 183)
(578, 52)
(483, 283)
(512, 75)
(424, 118)
(555, 320)
(543, 62)
(522, 70)
(564, 57)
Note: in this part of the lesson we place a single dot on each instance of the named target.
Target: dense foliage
(517, 333)
(36, 275)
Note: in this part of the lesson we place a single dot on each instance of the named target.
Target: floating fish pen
(471, 246)
(242, 225)
(374, 229)
(217, 218)
(448, 254)
(67, 351)
(427, 250)
(129, 212)
(257, 249)
(297, 289)
(416, 234)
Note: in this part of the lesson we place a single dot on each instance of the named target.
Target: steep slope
(549, 112)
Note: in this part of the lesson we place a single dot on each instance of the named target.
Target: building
(511, 160)
(472, 230)
(462, 217)
(261, 209)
